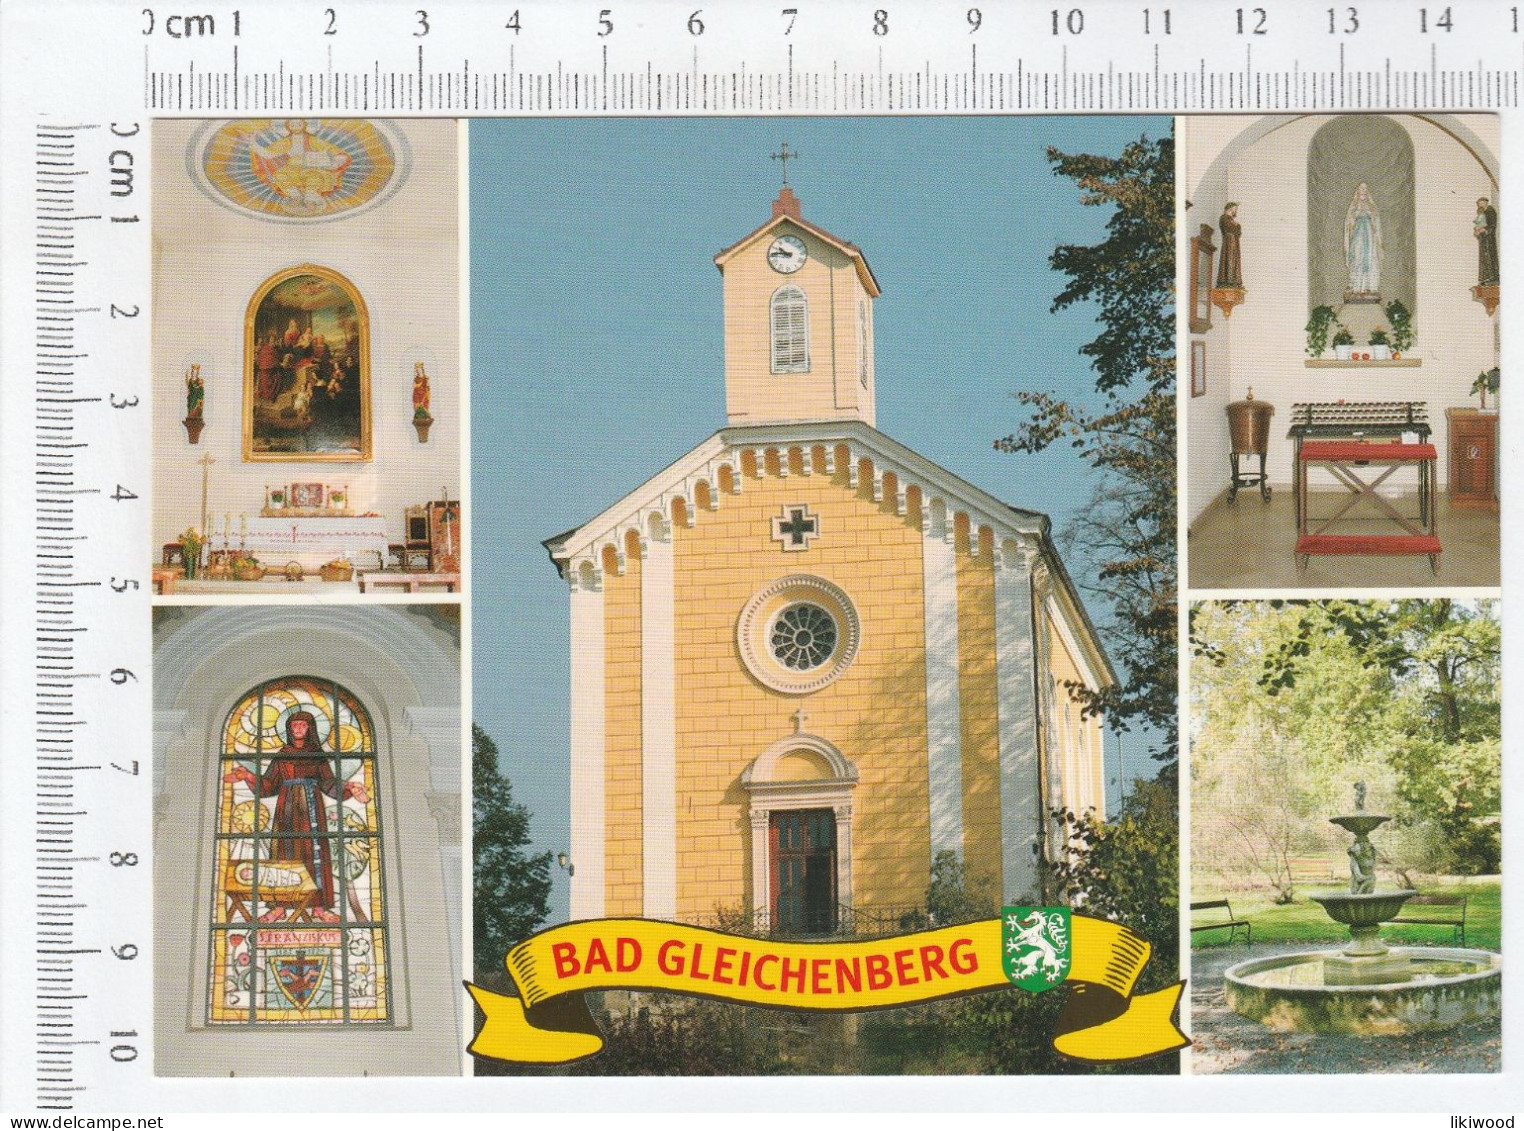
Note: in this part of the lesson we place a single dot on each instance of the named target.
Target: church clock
(787, 254)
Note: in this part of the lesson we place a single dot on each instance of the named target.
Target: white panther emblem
(1036, 943)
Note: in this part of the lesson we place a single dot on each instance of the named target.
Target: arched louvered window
(298, 925)
(790, 330)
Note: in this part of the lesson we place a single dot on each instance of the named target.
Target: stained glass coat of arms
(298, 920)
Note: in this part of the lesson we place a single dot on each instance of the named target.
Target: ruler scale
(57, 626)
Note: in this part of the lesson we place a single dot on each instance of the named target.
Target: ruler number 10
(1073, 21)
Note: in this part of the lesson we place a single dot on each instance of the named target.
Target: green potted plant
(1381, 345)
(1487, 381)
(1318, 327)
(1403, 329)
(1343, 342)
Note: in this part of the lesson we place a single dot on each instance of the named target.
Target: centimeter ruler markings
(58, 221)
(467, 90)
(79, 974)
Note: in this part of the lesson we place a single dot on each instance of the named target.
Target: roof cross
(785, 156)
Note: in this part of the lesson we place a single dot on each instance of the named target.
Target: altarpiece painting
(307, 369)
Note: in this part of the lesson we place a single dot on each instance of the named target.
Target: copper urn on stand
(1249, 435)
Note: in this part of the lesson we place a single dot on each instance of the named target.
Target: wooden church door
(802, 847)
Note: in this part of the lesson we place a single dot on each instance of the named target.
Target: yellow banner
(550, 1024)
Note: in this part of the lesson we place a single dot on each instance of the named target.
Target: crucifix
(206, 462)
(785, 156)
(799, 718)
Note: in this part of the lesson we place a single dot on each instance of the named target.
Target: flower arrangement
(191, 542)
(337, 570)
(247, 568)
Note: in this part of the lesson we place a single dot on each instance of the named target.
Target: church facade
(805, 659)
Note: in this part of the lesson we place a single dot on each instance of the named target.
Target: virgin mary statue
(1362, 245)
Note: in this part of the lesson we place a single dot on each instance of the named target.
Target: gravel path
(1226, 1042)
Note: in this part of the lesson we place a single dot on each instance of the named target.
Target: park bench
(1307, 871)
(1436, 911)
(1226, 920)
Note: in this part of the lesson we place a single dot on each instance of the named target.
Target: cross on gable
(785, 156)
(794, 528)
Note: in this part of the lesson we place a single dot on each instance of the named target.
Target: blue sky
(596, 355)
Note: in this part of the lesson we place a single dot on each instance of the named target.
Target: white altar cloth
(274, 541)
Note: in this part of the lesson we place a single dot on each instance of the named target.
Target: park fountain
(1367, 987)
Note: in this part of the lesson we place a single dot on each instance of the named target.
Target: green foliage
(952, 899)
(1294, 702)
(1304, 921)
(1318, 327)
(1488, 379)
(1401, 320)
(1128, 870)
(1342, 336)
(1128, 532)
(511, 890)
(1378, 338)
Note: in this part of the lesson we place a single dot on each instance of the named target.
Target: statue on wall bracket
(1229, 291)
(1485, 229)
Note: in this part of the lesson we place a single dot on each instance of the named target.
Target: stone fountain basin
(1362, 909)
(1361, 824)
(1448, 986)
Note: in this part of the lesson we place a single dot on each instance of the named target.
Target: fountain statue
(1366, 987)
(1366, 960)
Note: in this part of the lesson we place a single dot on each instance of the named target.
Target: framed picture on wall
(306, 391)
(1202, 251)
(1198, 369)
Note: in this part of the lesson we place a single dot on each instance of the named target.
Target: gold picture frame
(306, 383)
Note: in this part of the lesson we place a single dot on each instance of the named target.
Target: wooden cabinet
(1473, 458)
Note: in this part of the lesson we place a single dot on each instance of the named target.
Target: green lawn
(1304, 920)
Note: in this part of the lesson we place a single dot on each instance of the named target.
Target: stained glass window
(298, 924)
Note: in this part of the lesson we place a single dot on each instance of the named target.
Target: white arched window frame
(789, 320)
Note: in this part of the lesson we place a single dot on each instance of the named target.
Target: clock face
(787, 254)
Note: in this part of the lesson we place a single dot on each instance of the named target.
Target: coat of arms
(299, 976)
(1035, 944)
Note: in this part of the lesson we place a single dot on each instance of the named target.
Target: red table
(1341, 458)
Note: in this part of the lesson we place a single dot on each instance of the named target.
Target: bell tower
(798, 321)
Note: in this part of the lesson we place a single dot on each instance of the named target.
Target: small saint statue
(1485, 228)
(420, 390)
(1230, 268)
(195, 393)
(1362, 245)
(1359, 797)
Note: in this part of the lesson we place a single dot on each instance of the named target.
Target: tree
(1128, 870)
(1128, 532)
(511, 892)
(1294, 701)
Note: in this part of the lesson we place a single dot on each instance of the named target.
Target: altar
(315, 540)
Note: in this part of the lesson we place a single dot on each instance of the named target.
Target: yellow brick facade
(1075, 741)
(875, 713)
(623, 883)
